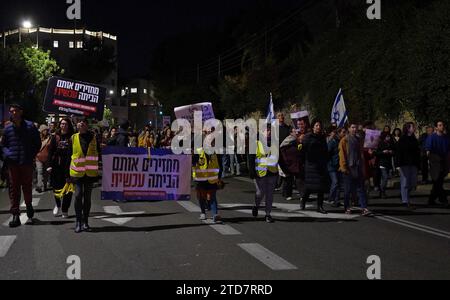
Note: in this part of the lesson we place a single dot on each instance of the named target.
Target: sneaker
(78, 227)
(30, 221)
(203, 217)
(86, 227)
(255, 212)
(65, 215)
(269, 219)
(217, 220)
(366, 213)
(348, 211)
(289, 199)
(56, 211)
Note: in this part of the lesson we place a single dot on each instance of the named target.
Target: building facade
(144, 108)
(64, 45)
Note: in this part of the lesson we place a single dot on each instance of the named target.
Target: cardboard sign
(69, 97)
(187, 112)
(372, 139)
(167, 121)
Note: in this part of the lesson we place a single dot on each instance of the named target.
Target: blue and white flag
(339, 115)
(271, 111)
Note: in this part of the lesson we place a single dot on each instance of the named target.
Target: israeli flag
(339, 115)
(271, 111)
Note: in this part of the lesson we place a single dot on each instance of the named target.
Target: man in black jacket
(121, 139)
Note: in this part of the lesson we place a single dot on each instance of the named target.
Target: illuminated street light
(27, 24)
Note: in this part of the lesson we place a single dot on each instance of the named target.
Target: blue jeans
(353, 185)
(336, 178)
(213, 202)
(225, 164)
(384, 179)
(408, 181)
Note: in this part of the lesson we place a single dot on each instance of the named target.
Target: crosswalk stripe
(267, 257)
(35, 203)
(6, 243)
(220, 228)
(189, 206)
(23, 220)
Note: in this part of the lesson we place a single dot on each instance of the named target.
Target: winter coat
(316, 163)
(21, 145)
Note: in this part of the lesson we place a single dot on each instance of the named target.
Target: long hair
(70, 129)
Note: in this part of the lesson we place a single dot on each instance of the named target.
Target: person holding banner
(59, 160)
(264, 170)
(207, 175)
(85, 153)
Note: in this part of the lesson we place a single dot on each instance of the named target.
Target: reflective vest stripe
(207, 178)
(207, 171)
(92, 168)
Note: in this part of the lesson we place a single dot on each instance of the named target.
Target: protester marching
(345, 162)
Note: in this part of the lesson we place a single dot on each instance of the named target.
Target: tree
(24, 71)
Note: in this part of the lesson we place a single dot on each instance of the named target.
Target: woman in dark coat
(316, 166)
(384, 154)
(59, 160)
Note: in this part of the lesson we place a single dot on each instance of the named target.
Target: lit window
(145, 91)
(133, 105)
(134, 90)
(111, 92)
(55, 44)
(123, 93)
(79, 44)
(71, 45)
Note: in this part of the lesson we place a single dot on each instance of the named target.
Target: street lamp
(27, 24)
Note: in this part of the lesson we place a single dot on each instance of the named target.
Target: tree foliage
(24, 71)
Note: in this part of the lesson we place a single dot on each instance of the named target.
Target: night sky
(140, 25)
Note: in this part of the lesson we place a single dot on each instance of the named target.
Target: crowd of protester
(312, 161)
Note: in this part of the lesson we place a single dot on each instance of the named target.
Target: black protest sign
(69, 97)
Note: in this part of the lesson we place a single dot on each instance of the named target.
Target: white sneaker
(289, 199)
(202, 217)
(65, 216)
(56, 211)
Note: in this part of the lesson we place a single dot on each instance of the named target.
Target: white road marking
(190, 207)
(220, 228)
(5, 244)
(35, 203)
(291, 211)
(415, 226)
(23, 220)
(117, 211)
(267, 257)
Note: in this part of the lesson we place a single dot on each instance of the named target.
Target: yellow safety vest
(206, 171)
(265, 162)
(84, 165)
